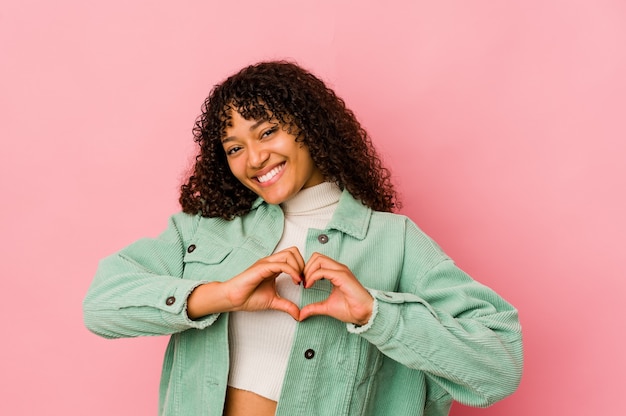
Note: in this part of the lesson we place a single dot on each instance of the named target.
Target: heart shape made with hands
(348, 301)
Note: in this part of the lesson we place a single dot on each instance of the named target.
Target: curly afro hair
(301, 103)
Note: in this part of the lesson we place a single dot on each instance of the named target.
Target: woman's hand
(252, 290)
(348, 302)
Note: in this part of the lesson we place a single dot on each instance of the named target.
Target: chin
(276, 199)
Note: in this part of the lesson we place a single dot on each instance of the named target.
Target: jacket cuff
(359, 329)
(388, 315)
(174, 306)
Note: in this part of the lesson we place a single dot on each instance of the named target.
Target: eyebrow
(252, 128)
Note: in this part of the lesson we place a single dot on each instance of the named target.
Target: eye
(269, 132)
(231, 151)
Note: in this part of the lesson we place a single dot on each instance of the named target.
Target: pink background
(503, 123)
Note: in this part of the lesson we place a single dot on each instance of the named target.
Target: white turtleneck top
(260, 342)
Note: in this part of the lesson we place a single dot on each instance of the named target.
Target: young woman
(289, 287)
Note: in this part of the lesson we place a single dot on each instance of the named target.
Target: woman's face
(268, 160)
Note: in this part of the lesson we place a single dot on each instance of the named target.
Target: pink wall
(502, 121)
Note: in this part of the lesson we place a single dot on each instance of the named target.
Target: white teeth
(269, 175)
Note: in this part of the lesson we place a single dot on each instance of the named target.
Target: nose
(257, 156)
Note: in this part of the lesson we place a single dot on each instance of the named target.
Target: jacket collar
(350, 217)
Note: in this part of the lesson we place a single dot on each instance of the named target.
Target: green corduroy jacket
(438, 335)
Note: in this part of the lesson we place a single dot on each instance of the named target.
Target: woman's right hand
(252, 290)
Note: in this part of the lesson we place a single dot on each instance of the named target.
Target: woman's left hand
(348, 302)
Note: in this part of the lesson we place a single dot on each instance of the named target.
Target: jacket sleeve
(462, 334)
(140, 290)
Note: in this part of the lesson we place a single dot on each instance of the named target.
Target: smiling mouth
(269, 175)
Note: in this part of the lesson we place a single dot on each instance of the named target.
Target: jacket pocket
(205, 262)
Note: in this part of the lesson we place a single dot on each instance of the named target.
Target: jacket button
(308, 354)
(170, 301)
(191, 248)
(322, 238)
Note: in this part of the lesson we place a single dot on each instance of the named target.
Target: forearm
(207, 299)
(478, 361)
(135, 294)
(131, 306)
